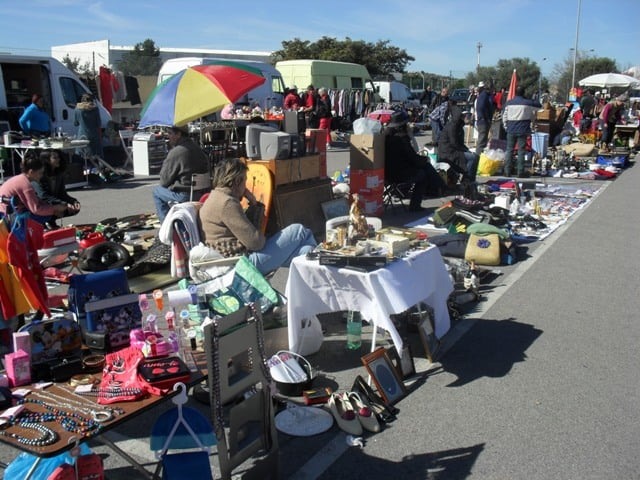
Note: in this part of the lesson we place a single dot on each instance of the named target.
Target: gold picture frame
(384, 375)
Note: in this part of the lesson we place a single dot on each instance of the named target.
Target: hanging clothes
(108, 84)
(133, 92)
(25, 238)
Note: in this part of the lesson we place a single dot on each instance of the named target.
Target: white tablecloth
(419, 277)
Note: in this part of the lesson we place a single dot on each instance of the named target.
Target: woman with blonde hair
(227, 228)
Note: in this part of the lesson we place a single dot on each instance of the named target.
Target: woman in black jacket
(404, 165)
(452, 150)
(53, 189)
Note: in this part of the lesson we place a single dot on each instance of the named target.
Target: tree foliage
(380, 58)
(585, 66)
(144, 59)
(499, 76)
(73, 64)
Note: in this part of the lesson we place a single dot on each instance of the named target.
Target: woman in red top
(324, 112)
(21, 187)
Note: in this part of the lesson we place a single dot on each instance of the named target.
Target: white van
(325, 73)
(22, 76)
(269, 94)
(396, 92)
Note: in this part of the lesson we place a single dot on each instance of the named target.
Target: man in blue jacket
(484, 115)
(517, 116)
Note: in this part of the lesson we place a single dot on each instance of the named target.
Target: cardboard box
(366, 152)
(546, 115)
(293, 169)
(372, 204)
(366, 181)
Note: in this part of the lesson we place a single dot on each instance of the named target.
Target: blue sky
(442, 35)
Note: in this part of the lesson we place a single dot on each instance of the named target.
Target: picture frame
(430, 342)
(338, 207)
(403, 362)
(384, 375)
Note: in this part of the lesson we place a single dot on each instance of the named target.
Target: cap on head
(480, 84)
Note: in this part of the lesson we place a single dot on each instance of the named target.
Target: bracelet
(77, 380)
(93, 362)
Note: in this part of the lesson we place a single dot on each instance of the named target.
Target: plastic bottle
(354, 330)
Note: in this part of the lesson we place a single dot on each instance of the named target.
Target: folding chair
(126, 139)
(199, 182)
(394, 193)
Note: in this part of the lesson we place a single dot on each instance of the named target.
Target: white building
(101, 52)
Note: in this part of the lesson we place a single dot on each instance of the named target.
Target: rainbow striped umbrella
(198, 91)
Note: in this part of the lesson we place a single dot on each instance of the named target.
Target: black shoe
(523, 175)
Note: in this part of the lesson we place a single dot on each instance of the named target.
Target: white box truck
(22, 76)
(396, 92)
(269, 94)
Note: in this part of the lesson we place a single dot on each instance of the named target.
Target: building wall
(101, 52)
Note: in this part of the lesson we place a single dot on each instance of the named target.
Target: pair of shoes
(343, 412)
(352, 414)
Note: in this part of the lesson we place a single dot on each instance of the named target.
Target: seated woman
(227, 229)
(404, 165)
(53, 189)
(452, 150)
(20, 186)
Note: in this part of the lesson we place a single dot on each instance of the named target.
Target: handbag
(483, 250)
(56, 346)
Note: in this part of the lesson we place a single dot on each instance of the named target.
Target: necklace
(70, 421)
(105, 414)
(46, 437)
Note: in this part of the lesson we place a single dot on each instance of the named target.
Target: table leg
(103, 439)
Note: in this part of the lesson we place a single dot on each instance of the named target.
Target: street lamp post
(540, 80)
(575, 47)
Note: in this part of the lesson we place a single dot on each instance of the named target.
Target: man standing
(184, 159)
(517, 117)
(587, 106)
(484, 115)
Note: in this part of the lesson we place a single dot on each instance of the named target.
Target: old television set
(275, 145)
(252, 138)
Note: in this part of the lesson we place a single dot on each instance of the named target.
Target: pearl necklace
(47, 436)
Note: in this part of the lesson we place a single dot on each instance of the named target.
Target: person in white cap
(292, 99)
(484, 115)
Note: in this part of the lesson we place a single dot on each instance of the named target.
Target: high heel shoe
(365, 415)
(343, 412)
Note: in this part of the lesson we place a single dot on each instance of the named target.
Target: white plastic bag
(311, 337)
(364, 125)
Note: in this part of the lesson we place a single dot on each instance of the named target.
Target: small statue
(358, 226)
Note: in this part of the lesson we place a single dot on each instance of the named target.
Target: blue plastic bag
(20, 467)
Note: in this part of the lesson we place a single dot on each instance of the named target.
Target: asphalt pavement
(538, 380)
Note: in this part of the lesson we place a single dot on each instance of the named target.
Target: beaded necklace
(47, 436)
(70, 421)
